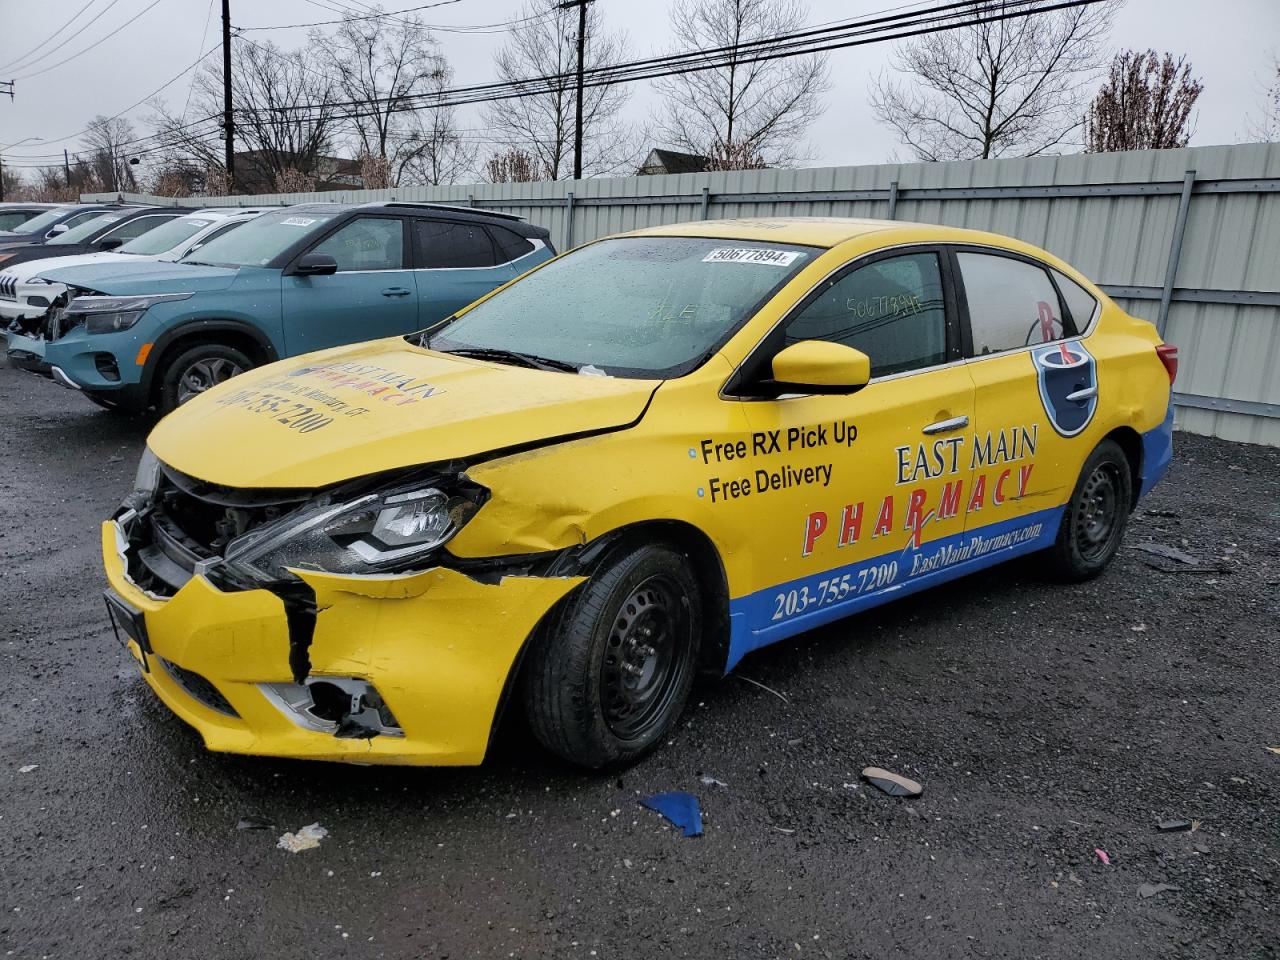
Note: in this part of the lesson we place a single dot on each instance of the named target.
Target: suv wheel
(197, 369)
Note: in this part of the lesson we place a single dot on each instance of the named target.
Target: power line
(371, 16)
(127, 23)
(14, 63)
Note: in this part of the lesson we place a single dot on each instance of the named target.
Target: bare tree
(512, 166)
(1265, 128)
(445, 155)
(284, 118)
(107, 142)
(1011, 87)
(1145, 104)
(742, 114)
(542, 124)
(381, 76)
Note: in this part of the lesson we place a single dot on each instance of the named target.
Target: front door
(859, 497)
(374, 294)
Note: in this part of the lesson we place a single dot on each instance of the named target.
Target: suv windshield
(166, 236)
(634, 306)
(260, 240)
(40, 223)
(87, 229)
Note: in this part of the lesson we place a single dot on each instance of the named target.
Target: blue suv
(291, 281)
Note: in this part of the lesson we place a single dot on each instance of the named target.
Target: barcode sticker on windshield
(776, 258)
(298, 221)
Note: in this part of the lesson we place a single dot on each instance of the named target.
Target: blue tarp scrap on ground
(680, 808)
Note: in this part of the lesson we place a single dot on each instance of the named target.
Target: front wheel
(608, 673)
(1096, 515)
(196, 370)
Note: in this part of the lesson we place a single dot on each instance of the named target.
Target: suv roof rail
(452, 208)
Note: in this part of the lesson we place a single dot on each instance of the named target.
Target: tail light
(1168, 355)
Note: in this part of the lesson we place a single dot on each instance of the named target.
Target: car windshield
(41, 223)
(87, 229)
(260, 240)
(166, 236)
(633, 306)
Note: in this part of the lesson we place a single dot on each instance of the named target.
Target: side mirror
(819, 366)
(56, 230)
(110, 243)
(314, 265)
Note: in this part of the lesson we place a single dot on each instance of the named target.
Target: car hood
(318, 419)
(138, 276)
(38, 268)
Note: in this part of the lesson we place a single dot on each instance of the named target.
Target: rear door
(1036, 392)
(373, 294)
(458, 263)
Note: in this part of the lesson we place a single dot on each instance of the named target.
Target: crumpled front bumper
(437, 645)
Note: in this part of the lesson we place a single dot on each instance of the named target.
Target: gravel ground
(1043, 721)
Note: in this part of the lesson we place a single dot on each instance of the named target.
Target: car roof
(27, 206)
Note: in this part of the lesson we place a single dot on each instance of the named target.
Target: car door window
(366, 243)
(511, 246)
(892, 310)
(443, 245)
(1012, 303)
(1080, 302)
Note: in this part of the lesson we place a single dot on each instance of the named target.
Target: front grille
(9, 287)
(199, 688)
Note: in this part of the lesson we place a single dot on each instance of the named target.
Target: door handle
(946, 426)
(395, 292)
(1081, 395)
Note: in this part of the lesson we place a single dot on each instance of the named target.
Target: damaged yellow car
(653, 454)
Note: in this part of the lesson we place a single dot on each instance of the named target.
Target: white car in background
(26, 297)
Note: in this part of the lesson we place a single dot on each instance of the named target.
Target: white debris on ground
(29, 768)
(308, 838)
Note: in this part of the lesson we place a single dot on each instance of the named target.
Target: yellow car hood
(324, 417)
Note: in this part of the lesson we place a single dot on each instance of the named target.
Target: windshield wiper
(513, 356)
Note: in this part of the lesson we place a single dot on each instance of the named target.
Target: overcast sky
(1229, 43)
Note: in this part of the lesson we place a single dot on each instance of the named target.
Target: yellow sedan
(659, 451)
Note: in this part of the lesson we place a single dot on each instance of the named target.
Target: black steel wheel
(610, 669)
(1094, 521)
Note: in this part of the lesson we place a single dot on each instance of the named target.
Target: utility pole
(582, 49)
(228, 125)
(9, 84)
(66, 165)
(1, 179)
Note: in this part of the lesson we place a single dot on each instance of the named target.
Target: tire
(599, 690)
(1094, 522)
(195, 370)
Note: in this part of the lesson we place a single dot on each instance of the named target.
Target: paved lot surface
(1043, 721)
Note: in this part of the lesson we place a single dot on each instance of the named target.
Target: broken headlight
(113, 314)
(377, 532)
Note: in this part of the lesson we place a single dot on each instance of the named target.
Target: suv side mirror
(314, 265)
(110, 243)
(55, 230)
(820, 366)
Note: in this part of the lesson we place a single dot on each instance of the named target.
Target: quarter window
(366, 243)
(1080, 302)
(511, 245)
(1012, 304)
(892, 310)
(443, 244)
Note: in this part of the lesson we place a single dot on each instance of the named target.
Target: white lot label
(777, 258)
(199, 223)
(298, 221)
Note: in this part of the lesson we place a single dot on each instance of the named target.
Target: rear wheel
(609, 672)
(1094, 522)
(196, 370)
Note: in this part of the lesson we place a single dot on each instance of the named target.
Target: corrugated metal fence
(1189, 239)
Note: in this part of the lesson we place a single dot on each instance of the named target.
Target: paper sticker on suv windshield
(199, 223)
(298, 221)
(777, 258)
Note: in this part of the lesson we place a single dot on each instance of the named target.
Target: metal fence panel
(1114, 216)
